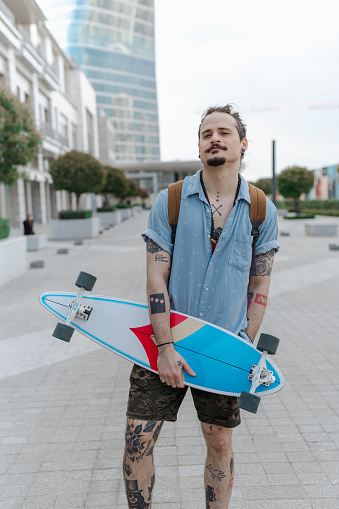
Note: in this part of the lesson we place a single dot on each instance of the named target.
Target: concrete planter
(109, 218)
(282, 212)
(136, 209)
(125, 214)
(13, 259)
(36, 242)
(324, 230)
(72, 229)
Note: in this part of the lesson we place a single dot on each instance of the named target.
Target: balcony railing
(9, 14)
(47, 130)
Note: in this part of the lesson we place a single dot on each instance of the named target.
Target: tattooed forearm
(157, 303)
(264, 263)
(161, 258)
(152, 247)
(260, 299)
(216, 474)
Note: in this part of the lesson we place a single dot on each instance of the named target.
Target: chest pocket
(241, 252)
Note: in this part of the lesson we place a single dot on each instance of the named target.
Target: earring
(243, 150)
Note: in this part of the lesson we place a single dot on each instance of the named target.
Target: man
(206, 275)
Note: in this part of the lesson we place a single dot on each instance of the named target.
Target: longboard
(223, 362)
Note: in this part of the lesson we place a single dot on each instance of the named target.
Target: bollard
(37, 265)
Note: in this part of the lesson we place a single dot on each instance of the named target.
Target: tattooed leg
(138, 465)
(219, 466)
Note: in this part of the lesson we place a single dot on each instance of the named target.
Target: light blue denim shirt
(209, 286)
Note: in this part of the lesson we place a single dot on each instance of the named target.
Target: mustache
(215, 145)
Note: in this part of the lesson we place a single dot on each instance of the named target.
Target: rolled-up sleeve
(268, 231)
(158, 226)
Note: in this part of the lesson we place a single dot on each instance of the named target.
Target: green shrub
(331, 204)
(122, 206)
(106, 209)
(75, 214)
(4, 228)
(283, 204)
(302, 216)
(333, 213)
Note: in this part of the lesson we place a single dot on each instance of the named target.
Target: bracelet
(168, 344)
(163, 344)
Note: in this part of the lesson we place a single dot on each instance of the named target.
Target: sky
(257, 55)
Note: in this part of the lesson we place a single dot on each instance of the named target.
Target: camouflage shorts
(151, 400)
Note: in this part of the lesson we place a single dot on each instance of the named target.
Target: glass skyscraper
(113, 42)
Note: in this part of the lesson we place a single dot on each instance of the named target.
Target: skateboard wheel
(268, 343)
(86, 281)
(63, 332)
(249, 402)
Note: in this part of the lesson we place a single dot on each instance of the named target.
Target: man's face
(219, 140)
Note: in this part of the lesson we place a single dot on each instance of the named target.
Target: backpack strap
(257, 216)
(174, 198)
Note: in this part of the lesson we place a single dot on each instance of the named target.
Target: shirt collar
(194, 187)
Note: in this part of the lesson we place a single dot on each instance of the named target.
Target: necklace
(215, 234)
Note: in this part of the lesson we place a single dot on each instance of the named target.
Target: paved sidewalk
(63, 405)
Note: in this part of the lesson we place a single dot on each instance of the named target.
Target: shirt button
(206, 288)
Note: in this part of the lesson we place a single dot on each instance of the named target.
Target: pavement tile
(11, 503)
(294, 504)
(319, 491)
(324, 503)
(282, 492)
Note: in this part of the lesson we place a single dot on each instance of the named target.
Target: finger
(188, 369)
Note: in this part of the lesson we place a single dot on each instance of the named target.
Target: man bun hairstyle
(241, 127)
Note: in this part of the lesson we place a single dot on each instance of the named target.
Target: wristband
(163, 344)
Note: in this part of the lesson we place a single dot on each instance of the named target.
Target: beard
(216, 161)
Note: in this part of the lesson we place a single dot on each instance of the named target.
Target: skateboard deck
(221, 360)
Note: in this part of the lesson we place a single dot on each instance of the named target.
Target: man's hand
(170, 366)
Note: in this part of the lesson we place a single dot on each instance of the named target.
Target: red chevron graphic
(144, 334)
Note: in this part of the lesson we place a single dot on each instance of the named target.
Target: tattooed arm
(258, 291)
(170, 363)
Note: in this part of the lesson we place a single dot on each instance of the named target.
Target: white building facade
(62, 101)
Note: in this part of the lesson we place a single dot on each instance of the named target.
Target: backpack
(257, 213)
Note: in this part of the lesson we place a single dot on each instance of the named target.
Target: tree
(19, 140)
(132, 189)
(77, 173)
(115, 183)
(293, 182)
(265, 184)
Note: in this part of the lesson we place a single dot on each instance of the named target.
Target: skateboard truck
(64, 331)
(259, 375)
(83, 312)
